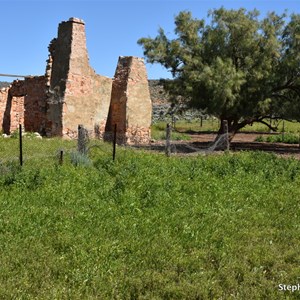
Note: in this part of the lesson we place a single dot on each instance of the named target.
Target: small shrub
(260, 139)
(80, 160)
(9, 172)
(15, 134)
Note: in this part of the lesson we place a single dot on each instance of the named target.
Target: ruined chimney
(130, 106)
(76, 94)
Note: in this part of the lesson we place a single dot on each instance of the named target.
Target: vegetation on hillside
(4, 84)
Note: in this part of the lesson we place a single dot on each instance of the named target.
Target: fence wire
(40, 151)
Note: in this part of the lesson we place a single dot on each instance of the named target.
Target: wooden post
(173, 121)
(114, 142)
(168, 140)
(21, 145)
(82, 140)
(225, 127)
(201, 121)
(283, 129)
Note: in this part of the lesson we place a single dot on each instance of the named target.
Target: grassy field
(149, 227)
(212, 125)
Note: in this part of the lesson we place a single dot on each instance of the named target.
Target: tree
(239, 68)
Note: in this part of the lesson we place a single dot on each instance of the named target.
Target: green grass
(288, 138)
(286, 126)
(158, 132)
(150, 227)
(212, 125)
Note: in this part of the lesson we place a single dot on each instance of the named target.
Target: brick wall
(130, 106)
(35, 104)
(23, 103)
(71, 93)
(78, 94)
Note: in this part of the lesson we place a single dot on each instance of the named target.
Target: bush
(80, 160)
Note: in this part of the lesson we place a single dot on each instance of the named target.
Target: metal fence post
(61, 157)
(20, 145)
(114, 142)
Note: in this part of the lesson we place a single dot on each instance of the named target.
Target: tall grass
(151, 227)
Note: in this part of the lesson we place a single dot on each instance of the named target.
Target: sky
(112, 28)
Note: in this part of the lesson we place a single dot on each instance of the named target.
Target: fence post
(114, 142)
(61, 157)
(225, 127)
(283, 129)
(168, 140)
(82, 140)
(21, 145)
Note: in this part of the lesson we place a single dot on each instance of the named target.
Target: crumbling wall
(24, 102)
(35, 104)
(86, 102)
(71, 93)
(14, 109)
(130, 106)
(4, 94)
(78, 95)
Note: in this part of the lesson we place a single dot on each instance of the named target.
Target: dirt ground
(241, 142)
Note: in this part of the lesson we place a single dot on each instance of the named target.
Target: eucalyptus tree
(238, 67)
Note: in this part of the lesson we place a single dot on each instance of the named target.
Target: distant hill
(157, 93)
(4, 84)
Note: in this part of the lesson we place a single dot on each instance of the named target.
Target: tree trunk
(234, 125)
(228, 129)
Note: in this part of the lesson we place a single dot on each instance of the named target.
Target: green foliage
(287, 138)
(150, 227)
(15, 134)
(80, 159)
(9, 172)
(239, 67)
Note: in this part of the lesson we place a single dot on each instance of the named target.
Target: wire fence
(23, 148)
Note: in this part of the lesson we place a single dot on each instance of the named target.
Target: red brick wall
(3, 105)
(130, 106)
(24, 103)
(35, 104)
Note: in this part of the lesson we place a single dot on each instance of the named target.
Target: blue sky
(112, 28)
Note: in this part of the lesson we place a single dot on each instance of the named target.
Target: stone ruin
(71, 93)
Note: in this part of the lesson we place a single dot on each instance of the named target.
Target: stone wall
(35, 104)
(71, 93)
(130, 106)
(4, 102)
(78, 94)
(24, 102)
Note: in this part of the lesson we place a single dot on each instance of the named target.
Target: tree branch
(267, 124)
